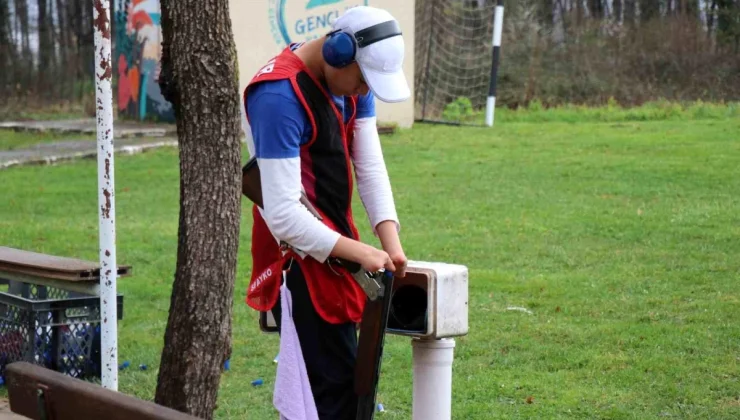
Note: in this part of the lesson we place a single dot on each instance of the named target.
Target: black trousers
(329, 351)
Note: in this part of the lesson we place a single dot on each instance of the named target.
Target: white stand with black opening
(430, 305)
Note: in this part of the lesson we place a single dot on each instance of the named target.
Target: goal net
(453, 47)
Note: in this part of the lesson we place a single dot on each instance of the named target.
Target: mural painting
(137, 61)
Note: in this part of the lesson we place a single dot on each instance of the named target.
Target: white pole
(106, 195)
(432, 362)
(498, 23)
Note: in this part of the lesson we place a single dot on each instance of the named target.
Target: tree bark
(649, 9)
(199, 78)
(63, 68)
(727, 22)
(45, 48)
(596, 9)
(629, 12)
(7, 50)
(617, 13)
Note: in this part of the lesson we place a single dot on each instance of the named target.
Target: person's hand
(374, 259)
(399, 261)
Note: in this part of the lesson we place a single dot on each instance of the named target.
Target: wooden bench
(39, 393)
(72, 274)
(51, 311)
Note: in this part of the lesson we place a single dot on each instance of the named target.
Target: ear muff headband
(377, 33)
(340, 47)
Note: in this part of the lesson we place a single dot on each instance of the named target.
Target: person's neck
(310, 54)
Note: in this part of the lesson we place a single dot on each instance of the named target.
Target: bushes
(552, 57)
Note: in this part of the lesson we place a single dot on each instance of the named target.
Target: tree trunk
(199, 78)
(629, 12)
(26, 68)
(7, 50)
(617, 13)
(728, 22)
(711, 6)
(596, 9)
(690, 8)
(63, 73)
(649, 9)
(45, 50)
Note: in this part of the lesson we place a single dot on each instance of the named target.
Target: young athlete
(311, 114)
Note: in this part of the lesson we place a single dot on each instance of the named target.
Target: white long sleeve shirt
(276, 130)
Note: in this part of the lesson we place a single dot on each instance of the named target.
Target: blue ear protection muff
(340, 47)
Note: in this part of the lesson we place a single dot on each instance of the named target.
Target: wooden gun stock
(252, 182)
(370, 349)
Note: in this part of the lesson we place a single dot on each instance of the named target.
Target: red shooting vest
(326, 175)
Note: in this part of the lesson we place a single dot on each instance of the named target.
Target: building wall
(263, 28)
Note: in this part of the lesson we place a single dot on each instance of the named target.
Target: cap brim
(388, 87)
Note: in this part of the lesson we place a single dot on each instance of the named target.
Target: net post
(428, 61)
(498, 21)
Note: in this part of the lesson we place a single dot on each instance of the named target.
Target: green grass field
(622, 238)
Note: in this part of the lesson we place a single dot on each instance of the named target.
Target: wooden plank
(50, 266)
(88, 287)
(32, 388)
(6, 414)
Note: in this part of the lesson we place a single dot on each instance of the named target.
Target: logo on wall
(304, 20)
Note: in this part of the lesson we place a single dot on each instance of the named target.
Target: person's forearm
(349, 249)
(388, 235)
(373, 183)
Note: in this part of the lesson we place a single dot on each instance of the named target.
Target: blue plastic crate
(51, 327)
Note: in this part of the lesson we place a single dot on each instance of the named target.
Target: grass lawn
(621, 238)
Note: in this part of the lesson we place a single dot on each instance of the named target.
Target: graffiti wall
(136, 59)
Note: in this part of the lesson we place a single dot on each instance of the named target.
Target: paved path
(128, 138)
(88, 126)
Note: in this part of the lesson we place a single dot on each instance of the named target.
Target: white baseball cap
(381, 62)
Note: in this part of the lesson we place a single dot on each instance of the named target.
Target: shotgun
(377, 287)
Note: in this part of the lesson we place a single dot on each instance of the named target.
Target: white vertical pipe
(106, 195)
(490, 108)
(432, 364)
(498, 23)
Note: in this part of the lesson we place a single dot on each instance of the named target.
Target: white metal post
(432, 364)
(498, 23)
(106, 195)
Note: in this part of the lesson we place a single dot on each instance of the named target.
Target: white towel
(292, 395)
